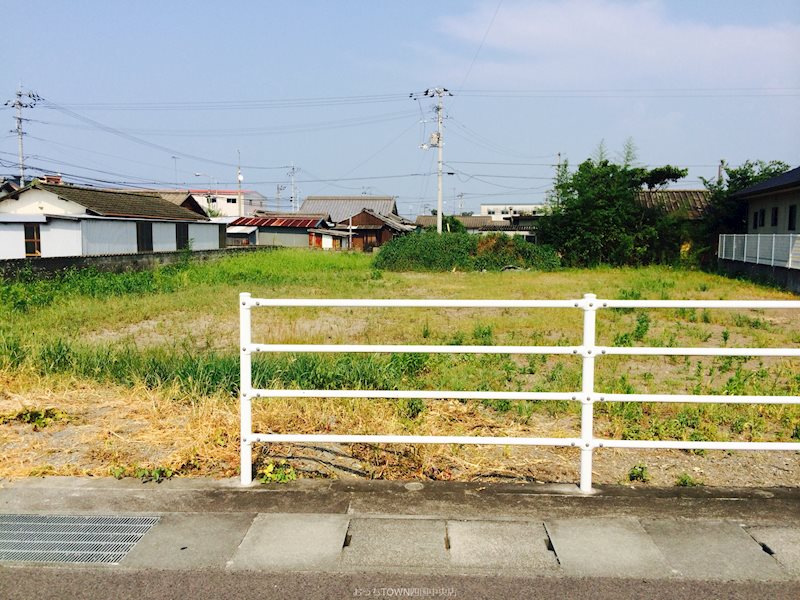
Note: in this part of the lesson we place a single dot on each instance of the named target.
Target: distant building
(340, 208)
(48, 220)
(689, 205)
(485, 224)
(771, 248)
(501, 212)
(285, 231)
(369, 229)
(225, 203)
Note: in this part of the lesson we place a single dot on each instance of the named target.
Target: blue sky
(325, 85)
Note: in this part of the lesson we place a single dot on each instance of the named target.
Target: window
(231, 200)
(182, 235)
(490, 211)
(33, 240)
(755, 219)
(761, 215)
(792, 218)
(144, 237)
(212, 200)
(774, 219)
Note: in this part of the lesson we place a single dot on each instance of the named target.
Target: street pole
(19, 105)
(439, 144)
(239, 178)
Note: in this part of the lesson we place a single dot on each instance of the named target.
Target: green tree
(726, 213)
(595, 219)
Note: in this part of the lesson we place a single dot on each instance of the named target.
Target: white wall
(61, 238)
(204, 236)
(12, 240)
(40, 202)
(109, 237)
(164, 239)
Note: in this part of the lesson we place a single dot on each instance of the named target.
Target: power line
(480, 46)
(253, 131)
(240, 104)
(137, 140)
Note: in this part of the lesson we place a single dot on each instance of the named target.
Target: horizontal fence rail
(587, 396)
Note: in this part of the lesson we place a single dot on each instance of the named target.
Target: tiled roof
(293, 220)
(789, 179)
(471, 222)
(690, 203)
(344, 207)
(107, 203)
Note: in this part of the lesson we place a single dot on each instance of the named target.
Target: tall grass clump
(430, 251)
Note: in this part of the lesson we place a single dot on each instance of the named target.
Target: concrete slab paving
(717, 550)
(292, 542)
(783, 542)
(396, 543)
(605, 548)
(501, 546)
(190, 541)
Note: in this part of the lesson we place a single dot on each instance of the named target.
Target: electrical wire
(480, 46)
(240, 104)
(137, 140)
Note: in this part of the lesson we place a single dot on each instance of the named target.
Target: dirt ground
(105, 430)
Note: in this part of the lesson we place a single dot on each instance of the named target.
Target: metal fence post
(245, 403)
(587, 390)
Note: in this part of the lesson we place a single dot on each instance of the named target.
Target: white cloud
(610, 44)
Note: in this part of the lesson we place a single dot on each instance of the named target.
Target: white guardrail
(587, 395)
(773, 249)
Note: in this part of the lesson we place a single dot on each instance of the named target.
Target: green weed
(280, 472)
(686, 480)
(639, 473)
(39, 418)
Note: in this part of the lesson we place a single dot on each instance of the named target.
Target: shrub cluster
(429, 251)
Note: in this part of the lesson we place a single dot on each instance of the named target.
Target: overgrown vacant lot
(117, 374)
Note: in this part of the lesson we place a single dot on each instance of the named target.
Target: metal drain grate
(70, 539)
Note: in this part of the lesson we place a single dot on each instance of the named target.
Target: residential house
(225, 203)
(49, 220)
(507, 212)
(771, 247)
(286, 231)
(772, 204)
(370, 229)
(486, 224)
(689, 205)
(340, 208)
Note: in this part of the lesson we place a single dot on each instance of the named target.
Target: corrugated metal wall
(109, 237)
(61, 238)
(12, 240)
(164, 239)
(204, 236)
(283, 237)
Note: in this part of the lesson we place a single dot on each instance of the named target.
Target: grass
(165, 342)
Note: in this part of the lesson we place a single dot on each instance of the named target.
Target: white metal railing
(775, 250)
(587, 350)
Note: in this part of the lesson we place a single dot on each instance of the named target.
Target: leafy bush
(429, 251)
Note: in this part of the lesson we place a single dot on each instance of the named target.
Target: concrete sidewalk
(528, 530)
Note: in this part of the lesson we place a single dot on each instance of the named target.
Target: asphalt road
(18, 583)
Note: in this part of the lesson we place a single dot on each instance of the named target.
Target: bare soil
(115, 430)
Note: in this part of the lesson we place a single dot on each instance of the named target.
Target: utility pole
(437, 142)
(292, 172)
(278, 191)
(175, 164)
(239, 178)
(720, 168)
(19, 105)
